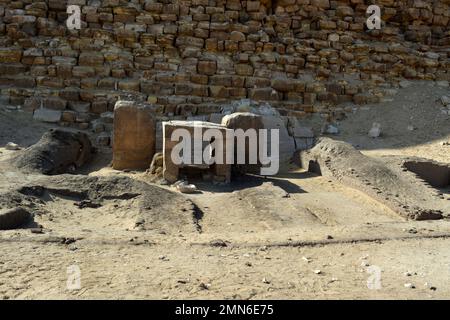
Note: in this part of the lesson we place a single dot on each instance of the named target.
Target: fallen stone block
(47, 115)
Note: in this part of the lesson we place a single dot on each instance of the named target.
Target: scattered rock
(87, 204)
(317, 271)
(409, 286)
(186, 188)
(12, 146)
(68, 241)
(218, 243)
(204, 286)
(375, 131)
(306, 259)
(157, 162)
(37, 230)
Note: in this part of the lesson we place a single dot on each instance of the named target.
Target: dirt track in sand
(279, 230)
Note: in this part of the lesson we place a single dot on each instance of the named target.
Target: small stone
(187, 188)
(204, 286)
(317, 271)
(331, 129)
(265, 281)
(183, 281)
(445, 100)
(12, 146)
(218, 243)
(409, 286)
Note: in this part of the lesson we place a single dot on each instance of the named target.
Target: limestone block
(134, 135)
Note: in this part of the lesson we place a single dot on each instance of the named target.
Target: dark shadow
(314, 167)
(245, 181)
(99, 160)
(437, 175)
(31, 224)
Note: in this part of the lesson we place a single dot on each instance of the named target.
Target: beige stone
(134, 135)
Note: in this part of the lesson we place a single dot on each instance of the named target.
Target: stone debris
(12, 146)
(445, 100)
(184, 187)
(330, 129)
(375, 131)
(156, 167)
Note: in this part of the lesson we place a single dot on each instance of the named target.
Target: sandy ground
(295, 236)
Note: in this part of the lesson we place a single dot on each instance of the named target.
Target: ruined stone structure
(187, 57)
(220, 172)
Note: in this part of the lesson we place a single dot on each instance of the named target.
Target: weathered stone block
(47, 115)
(134, 136)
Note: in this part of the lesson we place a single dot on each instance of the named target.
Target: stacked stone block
(188, 57)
